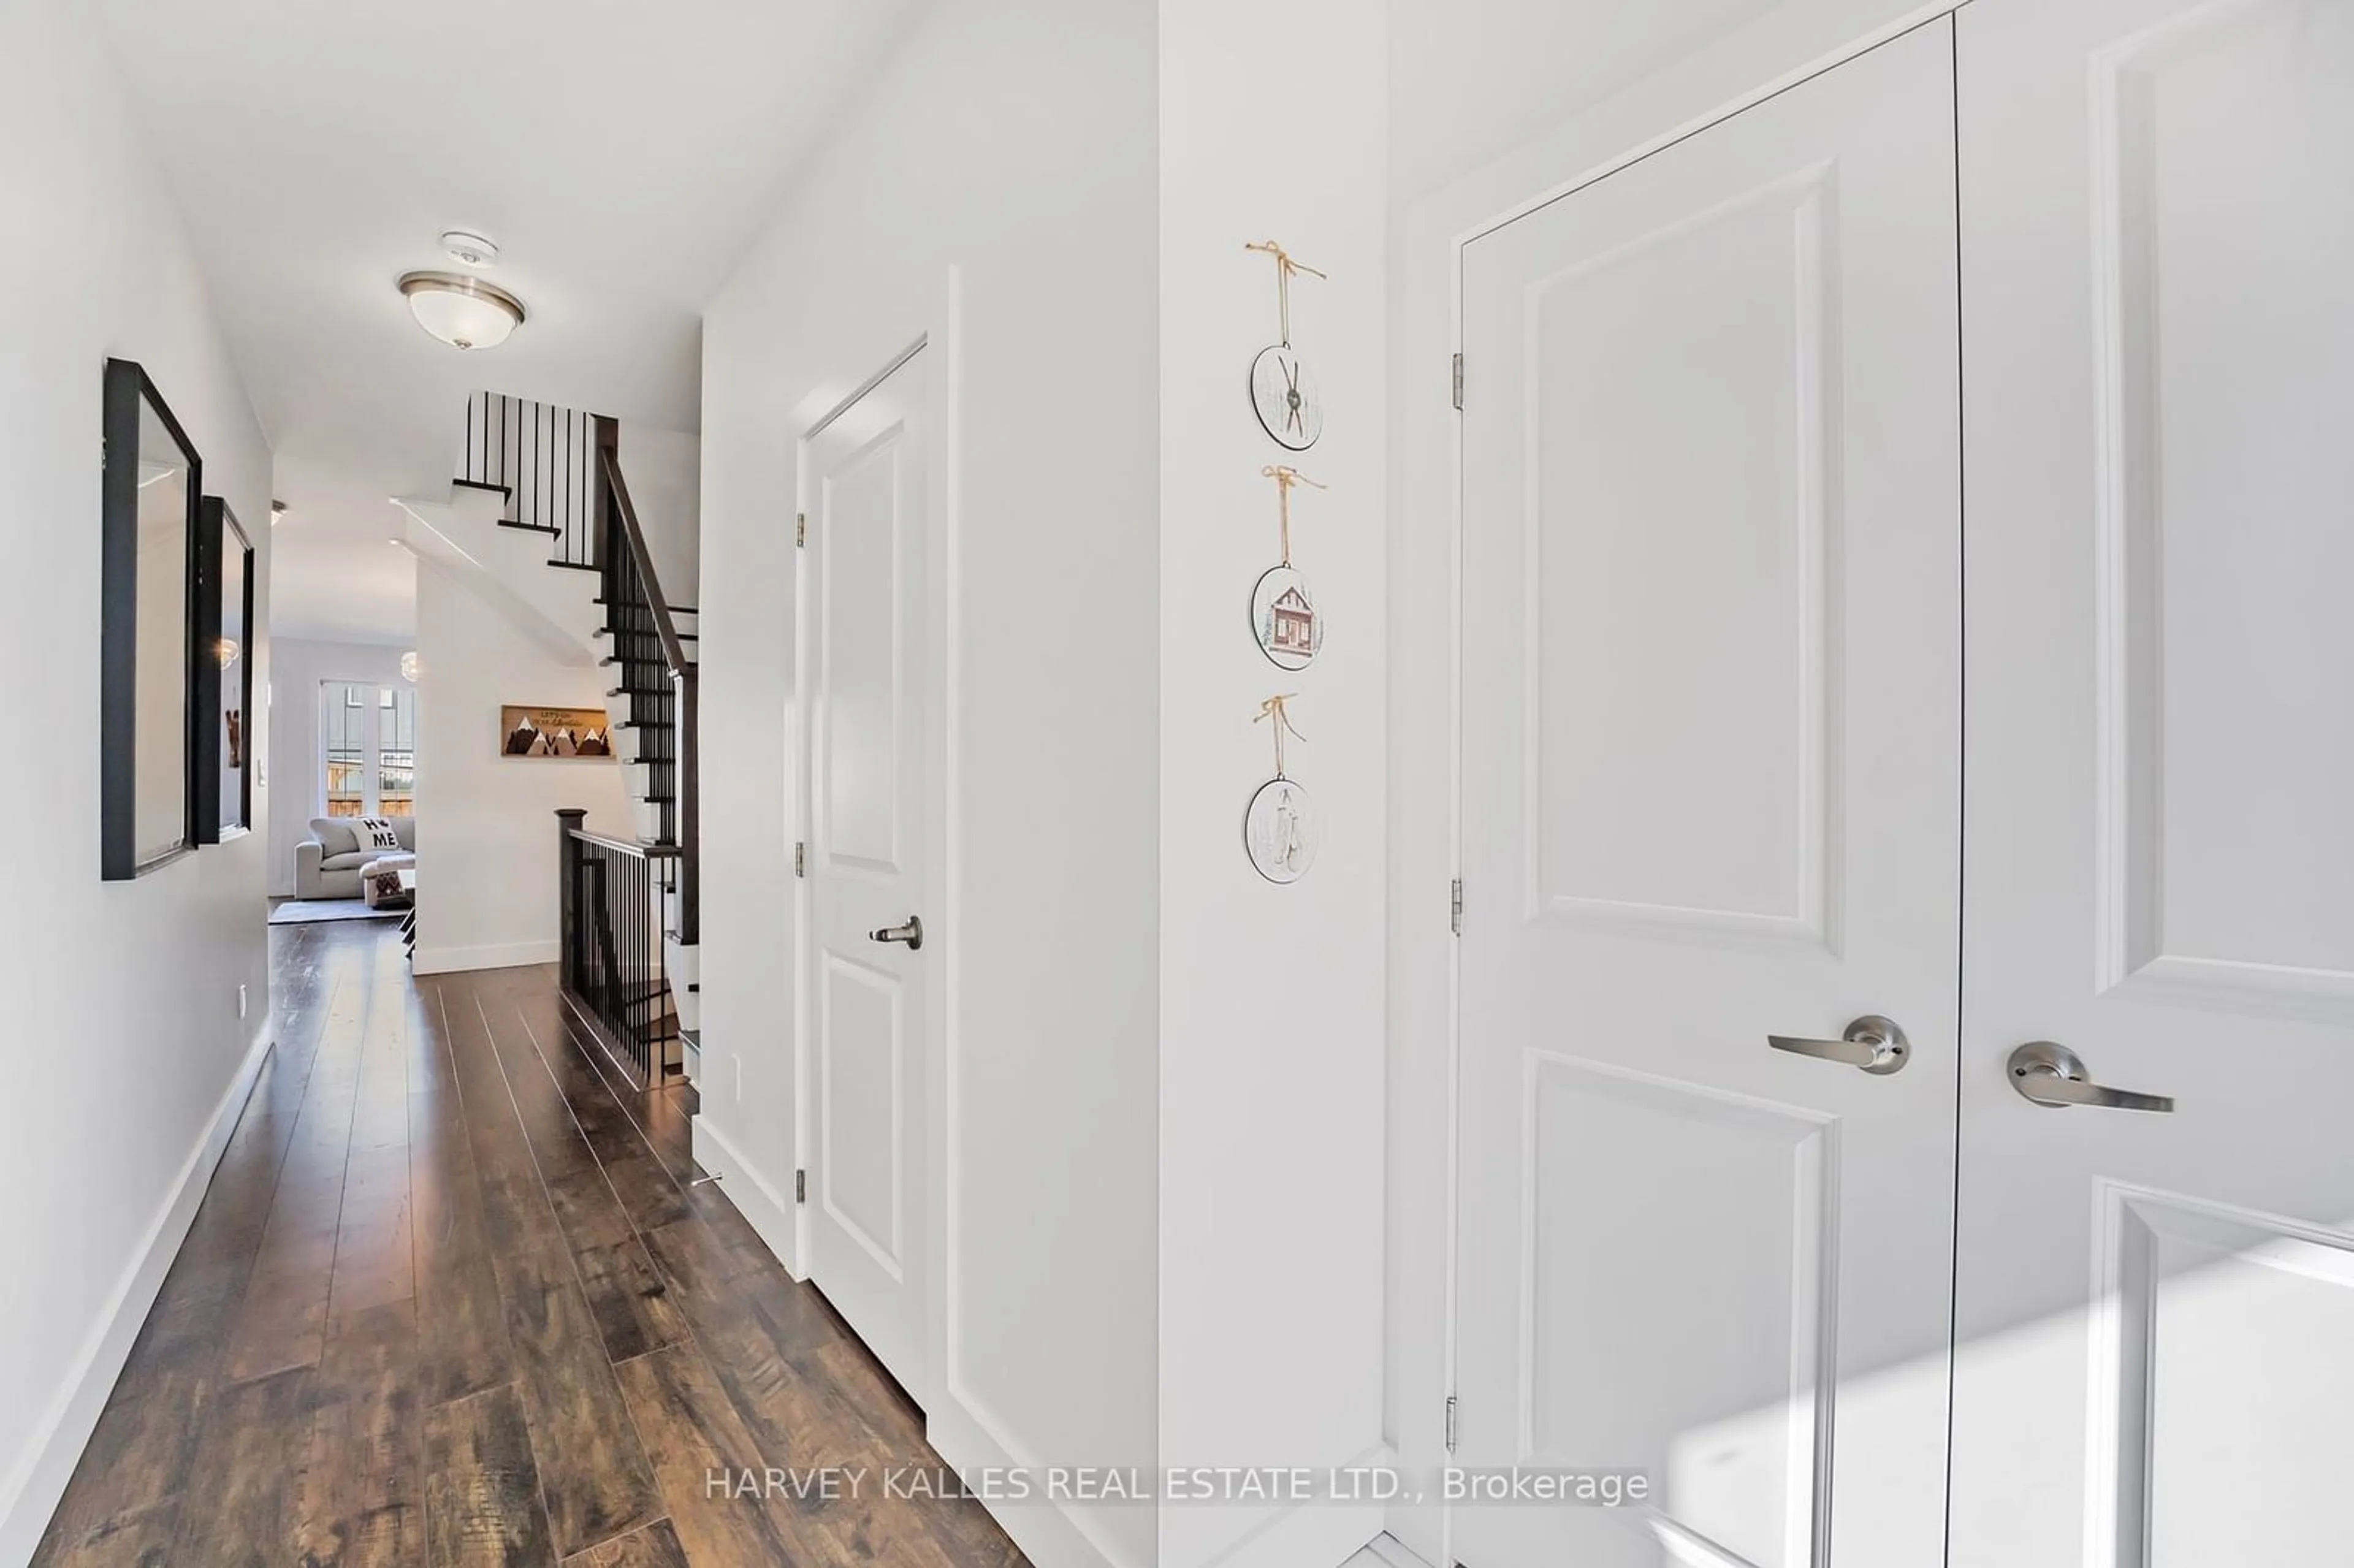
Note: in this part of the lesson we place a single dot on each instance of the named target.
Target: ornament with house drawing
(1282, 387)
(1280, 826)
(1284, 616)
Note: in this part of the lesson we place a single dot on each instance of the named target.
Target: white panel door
(1711, 772)
(2154, 1318)
(864, 560)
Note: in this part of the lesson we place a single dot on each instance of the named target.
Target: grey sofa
(327, 863)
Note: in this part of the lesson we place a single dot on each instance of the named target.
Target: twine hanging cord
(1284, 267)
(1285, 477)
(1273, 708)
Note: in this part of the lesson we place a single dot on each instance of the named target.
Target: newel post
(611, 551)
(690, 804)
(568, 896)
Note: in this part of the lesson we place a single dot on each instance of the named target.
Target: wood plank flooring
(452, 1301)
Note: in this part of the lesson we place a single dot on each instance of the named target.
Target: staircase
(654, 710)
(541, 523)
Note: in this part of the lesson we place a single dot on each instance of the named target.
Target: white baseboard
(756, 1198)
(428, 960)
(29, 1495)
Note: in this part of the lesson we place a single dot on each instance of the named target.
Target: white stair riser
(683, 967)
(626, 741)
(646, 821)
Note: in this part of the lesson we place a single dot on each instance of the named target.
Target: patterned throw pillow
(385, 887)
(381, 833)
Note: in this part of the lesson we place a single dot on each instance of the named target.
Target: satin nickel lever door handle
(912, 933)
(1872, 1042)
(2051, 1074)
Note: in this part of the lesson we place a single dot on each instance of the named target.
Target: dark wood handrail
(673, 651)
(628, 846)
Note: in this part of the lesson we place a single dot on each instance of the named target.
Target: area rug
(309, 911)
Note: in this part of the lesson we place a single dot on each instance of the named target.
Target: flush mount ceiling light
(463, 312)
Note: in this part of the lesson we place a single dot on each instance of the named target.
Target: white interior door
(864, 558)
(2156, 1311)
(1711, 773)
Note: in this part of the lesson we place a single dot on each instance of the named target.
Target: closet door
(2155, 1312)
(1712, 723)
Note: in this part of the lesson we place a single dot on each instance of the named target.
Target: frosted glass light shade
(463, 312)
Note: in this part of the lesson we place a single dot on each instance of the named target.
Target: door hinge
(1459, 382)
(800, 528)
(1450, 1423)
(801, 860)
(1455, 906)
(800, 1186)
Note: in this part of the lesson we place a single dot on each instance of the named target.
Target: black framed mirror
(224, 674)
(150, 525)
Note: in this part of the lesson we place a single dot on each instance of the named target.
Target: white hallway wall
(486, 823)
(1258, 1062)
(127, 1017)
(663, 470)
(1493, 103)
(1271, 1085)
(1009, 143)
(298, 784)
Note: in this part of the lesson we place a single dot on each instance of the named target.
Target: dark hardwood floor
(452, 1301)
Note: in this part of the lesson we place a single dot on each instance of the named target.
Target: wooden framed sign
(527, 731)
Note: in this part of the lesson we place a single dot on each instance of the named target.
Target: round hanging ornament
(1286, 620)
(1282, 387)
(1279, 823)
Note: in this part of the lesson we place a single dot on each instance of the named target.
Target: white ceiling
(334, 572)
(622, 153)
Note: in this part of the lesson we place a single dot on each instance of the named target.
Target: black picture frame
(131, 396)
(224, 685)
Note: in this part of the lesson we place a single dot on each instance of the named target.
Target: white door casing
(1711, 714)
(866, 562)
(2154, 1310)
